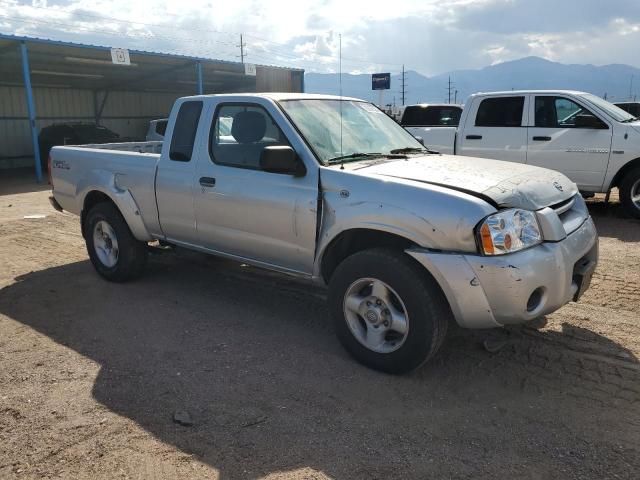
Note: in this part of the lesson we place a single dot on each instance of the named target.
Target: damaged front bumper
(486, 292)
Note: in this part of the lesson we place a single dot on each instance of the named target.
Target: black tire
(45, 149)
(132, 253)
(426, 307)
(628, 187)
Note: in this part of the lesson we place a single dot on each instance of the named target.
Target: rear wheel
(630, 193)
(388, 312)
(114, 251)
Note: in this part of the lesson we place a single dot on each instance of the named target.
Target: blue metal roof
(19, 38)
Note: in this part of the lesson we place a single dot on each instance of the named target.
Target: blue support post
(31, 108)
(199, 74)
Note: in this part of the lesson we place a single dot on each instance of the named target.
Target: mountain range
(616, 82)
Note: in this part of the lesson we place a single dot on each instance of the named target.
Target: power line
(203, 45)
(450, 88)
(174, 28)
(205, 30)
(242, 45)
(131, 22)
(323, 55)
(403, 85)
(111, 33)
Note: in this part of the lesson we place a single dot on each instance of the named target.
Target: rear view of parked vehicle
(437, 122)
(632, 107)
(73, 134)
(157, 129)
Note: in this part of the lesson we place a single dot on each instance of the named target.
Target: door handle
(207, 181)
(474, 137)
(542, 139)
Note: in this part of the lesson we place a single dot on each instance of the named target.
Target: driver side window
(240, 133)
(558, 112)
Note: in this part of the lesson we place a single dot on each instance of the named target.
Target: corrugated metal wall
(271, 79)
(126, 113)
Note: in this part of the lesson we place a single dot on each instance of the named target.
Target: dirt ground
(92, 373)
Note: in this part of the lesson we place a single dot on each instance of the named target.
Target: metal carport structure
(45, 81)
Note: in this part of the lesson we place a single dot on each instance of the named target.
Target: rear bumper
(486, 292)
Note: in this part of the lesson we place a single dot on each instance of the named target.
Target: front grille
(572, 213)
(564, 206)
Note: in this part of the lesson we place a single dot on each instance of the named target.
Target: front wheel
(630, 193)
(114, 252)
(389, 313)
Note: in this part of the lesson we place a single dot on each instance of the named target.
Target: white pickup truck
(333, 190)
(591, 141)
(436, 121)
(157, 129)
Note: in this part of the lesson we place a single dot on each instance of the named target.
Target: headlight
(509, 231)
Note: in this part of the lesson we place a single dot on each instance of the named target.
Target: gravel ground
(92, 374)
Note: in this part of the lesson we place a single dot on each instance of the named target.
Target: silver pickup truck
(331, 189)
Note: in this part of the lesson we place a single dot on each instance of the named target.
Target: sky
(428, 36)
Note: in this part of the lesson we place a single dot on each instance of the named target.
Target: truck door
(175, 176)
(567, 137)
(246, 212)
(496, 128)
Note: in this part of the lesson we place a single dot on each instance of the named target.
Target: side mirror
(589, 121)
(281, 159)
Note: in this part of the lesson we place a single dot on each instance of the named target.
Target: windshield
(615, 112)
(365, 128)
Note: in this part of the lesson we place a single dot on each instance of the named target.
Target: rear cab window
(500, 112)
(184, 131)
(633, 109)
(431, 116)
(161, 127)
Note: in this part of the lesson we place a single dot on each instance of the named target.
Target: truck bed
(438, 138)
(124, 168)
(139, 147)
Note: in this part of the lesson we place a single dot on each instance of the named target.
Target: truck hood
(506, 184)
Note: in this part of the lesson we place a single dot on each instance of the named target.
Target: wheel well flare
(355, 240)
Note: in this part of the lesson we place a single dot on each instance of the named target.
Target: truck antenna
(340, 85)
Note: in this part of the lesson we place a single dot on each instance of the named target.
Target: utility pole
(455, 96)
(631, 88)
(449, 90)
(404, 85)
(242, 45)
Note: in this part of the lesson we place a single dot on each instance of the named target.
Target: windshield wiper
(354, 155)
(629, 120)
(342, 158)
(412, 150)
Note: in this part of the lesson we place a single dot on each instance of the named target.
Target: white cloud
(430, 36)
